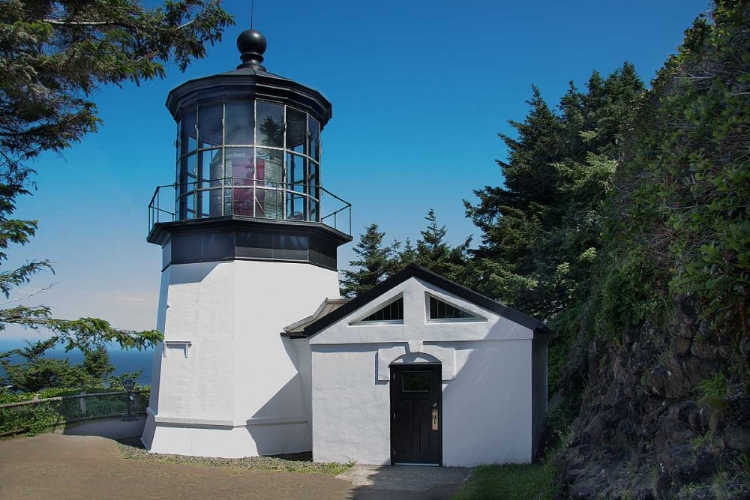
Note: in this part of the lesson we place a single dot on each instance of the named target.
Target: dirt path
(86, 467)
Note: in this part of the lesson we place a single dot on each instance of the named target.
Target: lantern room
(248, 146)
(248, 157)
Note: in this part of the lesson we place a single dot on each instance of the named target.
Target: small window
(443, 310)
(415, 382)
(392, 312)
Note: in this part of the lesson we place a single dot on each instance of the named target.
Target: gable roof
(321, 322)
(295, 330)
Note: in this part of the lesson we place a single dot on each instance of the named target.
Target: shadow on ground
(111, 428)
(405, 482)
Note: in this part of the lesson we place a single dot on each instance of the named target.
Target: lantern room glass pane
(295, 207)
(191, 170)
(239, 164)
(210, 181)
(189, 135)
(296, 131)
(190, 205)
(312, 182)
(212, 167)
(295, 169)
(240, 123)
(271, 170)
(270, 124)
(179, 139)
(295, 173)
(210, 129)
(314, 138)
(203, 204)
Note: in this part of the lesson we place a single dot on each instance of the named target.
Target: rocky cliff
(658, 418)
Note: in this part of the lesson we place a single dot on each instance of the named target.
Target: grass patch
(510, 482)
(132, 449)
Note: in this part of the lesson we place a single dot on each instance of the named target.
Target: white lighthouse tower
(249, 246)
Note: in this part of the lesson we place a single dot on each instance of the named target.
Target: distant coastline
(123, 360)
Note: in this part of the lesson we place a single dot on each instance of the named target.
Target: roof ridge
(416, 271)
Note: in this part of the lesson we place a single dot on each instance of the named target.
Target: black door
(416, 414)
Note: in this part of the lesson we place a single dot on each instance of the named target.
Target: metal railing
(255, 198)
(39, 414)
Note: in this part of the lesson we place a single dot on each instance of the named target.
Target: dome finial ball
(252, 45)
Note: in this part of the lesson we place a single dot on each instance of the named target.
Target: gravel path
(87, 467)
(67, 467)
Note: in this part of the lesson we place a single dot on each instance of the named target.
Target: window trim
(475, 318)
(360, 321)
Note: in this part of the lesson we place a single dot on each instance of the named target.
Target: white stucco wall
(229, 384)
(487, 382)
(486, 406)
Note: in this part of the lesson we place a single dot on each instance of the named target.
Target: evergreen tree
(374, 264)
(97, 364)
(541, 230)
(54, 56)
(435, 254)
(408, 255)
(511, 216)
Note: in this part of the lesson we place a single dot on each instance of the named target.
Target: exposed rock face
(642, 434)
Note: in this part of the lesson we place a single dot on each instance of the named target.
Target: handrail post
(82, 403)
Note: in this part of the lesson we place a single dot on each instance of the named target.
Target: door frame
(436, 396)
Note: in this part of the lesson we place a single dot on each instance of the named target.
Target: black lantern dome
(252, 45)
(248, 157)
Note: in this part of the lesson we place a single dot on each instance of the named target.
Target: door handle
(435, 418)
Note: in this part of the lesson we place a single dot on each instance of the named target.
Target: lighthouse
(249, 239)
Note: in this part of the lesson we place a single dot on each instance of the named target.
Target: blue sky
(419, 88)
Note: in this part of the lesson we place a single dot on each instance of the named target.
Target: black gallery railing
(255, 198)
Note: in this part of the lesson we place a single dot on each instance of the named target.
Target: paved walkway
(91, 467)
(407, 482)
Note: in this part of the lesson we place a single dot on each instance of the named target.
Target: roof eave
(419, 272)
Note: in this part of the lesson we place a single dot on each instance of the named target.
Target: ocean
(123, 360)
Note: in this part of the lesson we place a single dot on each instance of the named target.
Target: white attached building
(422, 370)
(417, 370)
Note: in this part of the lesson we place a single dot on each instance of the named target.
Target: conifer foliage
(541, 228)
(374, 264)
(54, 55)
(436, 254)
(377, 262)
